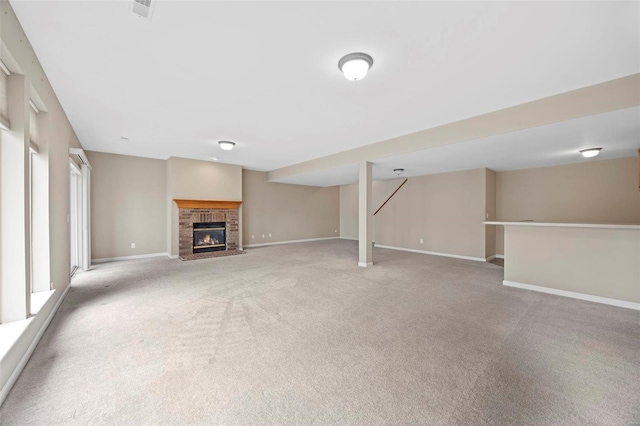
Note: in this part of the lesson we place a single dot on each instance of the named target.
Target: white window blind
(4, 100)
(33, 125)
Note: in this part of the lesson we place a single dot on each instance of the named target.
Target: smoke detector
(143, 8)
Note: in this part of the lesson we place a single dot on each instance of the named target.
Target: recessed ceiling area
(265, 75)
(618, 133)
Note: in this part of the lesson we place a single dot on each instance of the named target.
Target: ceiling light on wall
(124, 139)
(590, 152)
(398, 171)
(355, 66)
(226, 145)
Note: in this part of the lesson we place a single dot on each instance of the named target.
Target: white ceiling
(618, 133)
(264, 74)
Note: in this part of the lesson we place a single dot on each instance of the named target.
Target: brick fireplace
(203, 213)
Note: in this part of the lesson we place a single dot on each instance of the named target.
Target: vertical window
(33, 124)
(4, 101)
(33, 138)
(75, 215)
(38, 187)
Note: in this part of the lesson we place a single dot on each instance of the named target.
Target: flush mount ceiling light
(226, 145)
(590, 152)
(398, 171)
(354, 66)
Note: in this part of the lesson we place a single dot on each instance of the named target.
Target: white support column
(365, 216)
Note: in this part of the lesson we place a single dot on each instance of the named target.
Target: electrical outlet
(133, 245)
(487, 215)
(269, 234)
(262, 235)
(252, 237)
(335, 230)
(421, 241)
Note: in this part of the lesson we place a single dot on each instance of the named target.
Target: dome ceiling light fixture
(398, 171)
(355, 66)
(590, 152)
(226, 145)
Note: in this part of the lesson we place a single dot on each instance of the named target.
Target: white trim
(10, 332)
(33, 147)
(433, 253)
(38, 300)
(581, 296)
(4, 68)
(25, 358)
(137, 256)
(74, 167)
(495, 256)
(365, 264)
(4, 123)
(173, 256)
(289, 242)
(33, 106)
(568, 225)
(347, 238)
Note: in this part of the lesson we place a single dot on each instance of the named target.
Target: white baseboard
(347, 238)
(137, 256)
(495, 256)
(173, 256)
(433, 253)
(25, 358)
(365, 264)
(288, 242)
(581, 296)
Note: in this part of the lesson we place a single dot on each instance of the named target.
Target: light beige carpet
(298, 334)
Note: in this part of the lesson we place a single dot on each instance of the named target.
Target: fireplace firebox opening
(209, 236)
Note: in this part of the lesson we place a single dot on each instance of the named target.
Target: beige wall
(287, 212)
(381, 189)
(593, 191)
(598, 262)
(198, 180)
(132, 202)
(349, 210)
(446, 210)
(128, 205)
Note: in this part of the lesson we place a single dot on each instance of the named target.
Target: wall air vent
(143, 8)
(79, 154)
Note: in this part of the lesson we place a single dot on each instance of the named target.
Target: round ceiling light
(226, 145)
(590, 152)
(355, 66)
(398, 171)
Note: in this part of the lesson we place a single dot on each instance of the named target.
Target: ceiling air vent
(143, 8)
